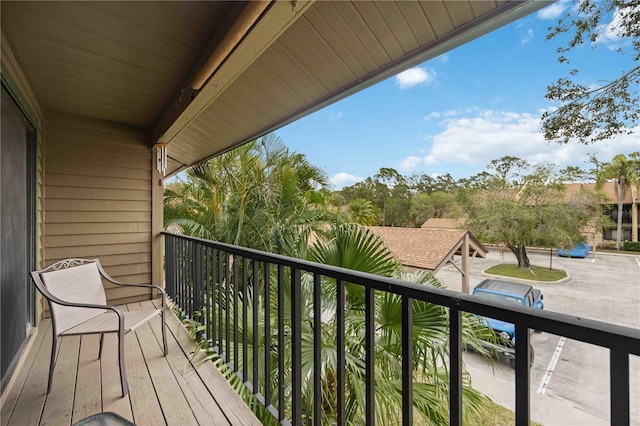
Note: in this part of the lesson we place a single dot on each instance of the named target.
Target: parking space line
(638, 262)
(552, 365)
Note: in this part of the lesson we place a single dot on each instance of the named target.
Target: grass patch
(536, 273)
(496, 415)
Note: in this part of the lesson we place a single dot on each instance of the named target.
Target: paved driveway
(570, 379)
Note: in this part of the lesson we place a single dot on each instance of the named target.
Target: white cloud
(336, 116)
(449, 113)
(488, 135)
(611, 34)
(415, 76)
(553, 11)
(341, 180)
(430, 160)
(409, 164)
(528, 36)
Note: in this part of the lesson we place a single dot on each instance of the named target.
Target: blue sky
(457, 112)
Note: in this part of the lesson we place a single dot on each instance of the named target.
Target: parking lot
(569, 379)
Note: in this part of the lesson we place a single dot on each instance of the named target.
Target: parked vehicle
(579, 250)
(508, 292)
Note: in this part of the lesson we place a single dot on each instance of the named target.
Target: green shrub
(607, 245)
(631, 246)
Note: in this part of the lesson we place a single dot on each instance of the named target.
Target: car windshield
(498, 297)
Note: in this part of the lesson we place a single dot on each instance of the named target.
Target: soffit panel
(332, 48)
(119, 61)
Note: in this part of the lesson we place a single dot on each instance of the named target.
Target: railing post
(215, 301)
(169, 269)
(254, 316)
(455, 366)
(317, 350)
(227, 308)
(236, 365)
(281, 383)
(619, 392)
(245, 327)
(340, 318)
(407, 361)
(523, 378)
(296, 347)
(197, 278)
(267, 335)
(370, 356)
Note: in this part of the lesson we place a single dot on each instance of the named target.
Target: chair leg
(164, 333)
(123, 372)
(101, 342)
(52, 363)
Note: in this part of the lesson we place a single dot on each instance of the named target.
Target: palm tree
(624, 173)
(358, 248)
(363, 212)
(255, 196)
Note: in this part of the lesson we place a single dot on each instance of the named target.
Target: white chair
(74, 290)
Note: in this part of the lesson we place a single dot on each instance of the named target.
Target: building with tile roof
(432, 248)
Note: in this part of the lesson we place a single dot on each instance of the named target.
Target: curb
(524, 281)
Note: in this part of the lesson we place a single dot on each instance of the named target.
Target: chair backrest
(73, 281)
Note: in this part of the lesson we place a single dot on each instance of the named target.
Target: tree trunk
(520, 252)
(620, 206)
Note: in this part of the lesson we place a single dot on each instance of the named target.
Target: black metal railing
(231, 283)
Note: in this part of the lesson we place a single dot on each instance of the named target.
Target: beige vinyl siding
(97, 198)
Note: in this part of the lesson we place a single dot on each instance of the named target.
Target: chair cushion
(79, 284)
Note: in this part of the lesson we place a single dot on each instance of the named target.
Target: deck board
(112, 399)
(59, 403)
(213, 380)
(25, 407)
(203, 406)
(162, 391)
(88, 399)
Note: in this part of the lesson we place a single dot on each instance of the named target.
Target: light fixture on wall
(161, 157)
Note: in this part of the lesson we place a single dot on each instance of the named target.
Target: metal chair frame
(66, 264)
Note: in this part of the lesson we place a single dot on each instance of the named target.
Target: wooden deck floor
(161, 390)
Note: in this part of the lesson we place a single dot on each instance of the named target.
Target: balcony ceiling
(133, 62)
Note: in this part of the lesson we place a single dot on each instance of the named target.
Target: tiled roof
(609, 188)
(426, 248)
(442, 222)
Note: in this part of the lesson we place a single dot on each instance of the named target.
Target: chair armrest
(116, 282)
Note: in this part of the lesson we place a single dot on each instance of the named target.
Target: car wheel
(532, 355)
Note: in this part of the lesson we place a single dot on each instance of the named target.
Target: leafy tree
(392, 194)
(527, 206)
(421, 183)
(589, 113)
(437, 204)
(363, 190)
(624, 172)
(481, 181)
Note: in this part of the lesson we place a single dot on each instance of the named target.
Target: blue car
(508, 292)
(579, 250)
